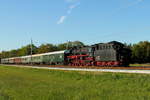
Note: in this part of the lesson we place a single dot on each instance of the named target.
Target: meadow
(145, 65)
(41, 84)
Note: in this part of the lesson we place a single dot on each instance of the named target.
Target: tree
(141, 52)
(13, 53)
(77, 43)
(46, 48)
(69, 45)
(26, 50)
(5, 54)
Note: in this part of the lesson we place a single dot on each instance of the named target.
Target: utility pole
(31, 50)
(67, 46)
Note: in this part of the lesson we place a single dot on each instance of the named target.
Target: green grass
(145, 65)
(39, 84)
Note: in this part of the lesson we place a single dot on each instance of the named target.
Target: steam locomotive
(102, 54)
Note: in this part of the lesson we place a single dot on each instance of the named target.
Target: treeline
(140, 51)
(44, 48)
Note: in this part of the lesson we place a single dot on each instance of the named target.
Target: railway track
(142, 70)
(94, 67)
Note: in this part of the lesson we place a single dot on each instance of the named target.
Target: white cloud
(72, 7)
(62, 19)
(69, 11)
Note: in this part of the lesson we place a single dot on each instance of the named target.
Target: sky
(59, 21)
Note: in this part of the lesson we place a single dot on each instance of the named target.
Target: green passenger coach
(54, 58)
(51, 58)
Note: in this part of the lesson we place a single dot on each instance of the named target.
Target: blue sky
(58, 21)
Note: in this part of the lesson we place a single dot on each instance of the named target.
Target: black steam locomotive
(103, 54)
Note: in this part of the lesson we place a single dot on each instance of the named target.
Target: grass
(145, 65)
(40, 84)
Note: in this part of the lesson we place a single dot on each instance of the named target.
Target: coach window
(99, 47)
(110, 46)
(103, 47)
(90, 50)
(106, 47)
(60, 56)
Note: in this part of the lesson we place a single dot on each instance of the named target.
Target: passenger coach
(52, 58)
